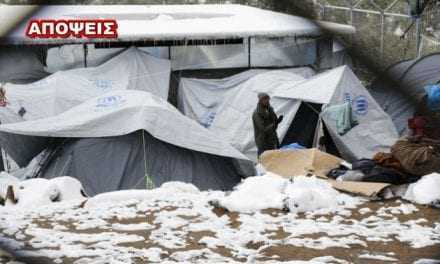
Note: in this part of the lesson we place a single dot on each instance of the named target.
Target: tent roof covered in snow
(175, 22)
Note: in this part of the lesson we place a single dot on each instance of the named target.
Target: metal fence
(384, 28)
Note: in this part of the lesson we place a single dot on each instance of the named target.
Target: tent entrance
(304, 127)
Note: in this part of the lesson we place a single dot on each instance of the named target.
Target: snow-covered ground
(266, 219)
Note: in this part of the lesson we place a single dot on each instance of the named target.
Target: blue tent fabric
(293, 146)
(433, 93)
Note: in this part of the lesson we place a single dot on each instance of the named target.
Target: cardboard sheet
(290, 163)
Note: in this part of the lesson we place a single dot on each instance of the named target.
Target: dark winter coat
(265, 128)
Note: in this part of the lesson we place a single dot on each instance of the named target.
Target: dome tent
(117, 140)
(402, 85)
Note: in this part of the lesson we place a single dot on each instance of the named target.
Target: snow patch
(425, 190)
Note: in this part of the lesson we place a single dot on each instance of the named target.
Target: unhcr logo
(110, 101)
(360, 105)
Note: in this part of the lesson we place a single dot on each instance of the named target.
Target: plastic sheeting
(67, 57)
(264, 52)
(226, 105)
(398, 90)
(131, 70)
(123, 112)
(118, 163)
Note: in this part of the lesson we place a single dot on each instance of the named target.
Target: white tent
(106, 150)
(226, 105)
(122, 112)
(231, 113)
(376, 130)
(131, 70)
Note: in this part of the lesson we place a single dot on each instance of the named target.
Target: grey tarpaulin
(117, 163)
(20, 65)
(402, 85)
(101, 134)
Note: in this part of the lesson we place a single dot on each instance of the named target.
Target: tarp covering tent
(226, 105)
(402, 85)
(231, 112)
(20, 65)
(131, 70)
(116, 139)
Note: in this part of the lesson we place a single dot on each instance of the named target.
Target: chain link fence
(385, 30)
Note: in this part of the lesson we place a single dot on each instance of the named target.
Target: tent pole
(311, 107)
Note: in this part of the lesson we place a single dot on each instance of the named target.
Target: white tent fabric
(123, 112)
(67, 57)
(376, 130)
(264, 52)
(131, 70)
(226, 105)
(174, 22)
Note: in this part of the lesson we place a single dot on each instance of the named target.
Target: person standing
(265, 125)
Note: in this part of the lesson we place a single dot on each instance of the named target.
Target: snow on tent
(131, 70)
(173, 22)
(128, 139)
(226, 106)
(402, 85)
(191, 36)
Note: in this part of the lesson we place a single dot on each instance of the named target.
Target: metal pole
(382, 35)
(85, 48)
(249, 52)
(418, 36)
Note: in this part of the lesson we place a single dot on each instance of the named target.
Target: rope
(148, 181)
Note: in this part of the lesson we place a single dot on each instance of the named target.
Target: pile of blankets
(410, 158)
